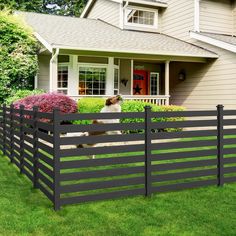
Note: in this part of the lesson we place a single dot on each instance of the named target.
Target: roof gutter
(212, 41)
(160, 53)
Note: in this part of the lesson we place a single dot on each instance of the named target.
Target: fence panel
(72, 159)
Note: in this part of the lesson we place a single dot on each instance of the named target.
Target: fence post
(4, 128)
(21, 139)
(220, 145)
(11, 132)
(56, 157)
(148, 171)
(35, 146)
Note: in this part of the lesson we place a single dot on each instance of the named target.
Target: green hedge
(19, 94)
(94, 105)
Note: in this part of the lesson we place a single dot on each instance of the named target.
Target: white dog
(112, 105)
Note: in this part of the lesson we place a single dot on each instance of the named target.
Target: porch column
(110, 77)
(73, 76)
(167, 79)
(132, 77)
(53, 71)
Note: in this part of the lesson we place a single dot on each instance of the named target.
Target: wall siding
(44, 72)
(216, 16)
(206, 85)
(107, 11)
(178, 18)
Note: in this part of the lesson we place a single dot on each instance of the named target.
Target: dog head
(114, 100)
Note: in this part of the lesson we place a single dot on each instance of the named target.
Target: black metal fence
(201, 151)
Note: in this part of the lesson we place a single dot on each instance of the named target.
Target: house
(178, 52)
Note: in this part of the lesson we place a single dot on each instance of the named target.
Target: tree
(57, 7)
(18, 55)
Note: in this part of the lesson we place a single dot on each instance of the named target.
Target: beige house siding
(216, 16)
(107, 11)
(234, 18)
(178, 18)
(44, 72)
(206, 85)
(125, 73)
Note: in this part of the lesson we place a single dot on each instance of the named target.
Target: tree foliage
(18, 55)
(57, 7)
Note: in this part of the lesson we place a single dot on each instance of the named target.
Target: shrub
(19, 94)
(18, 55)
(47, 102)
(94, 105)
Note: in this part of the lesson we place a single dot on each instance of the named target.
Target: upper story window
(141, 17)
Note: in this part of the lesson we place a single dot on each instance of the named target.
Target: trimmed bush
(47, 102)
(19, 94)
(94, 105)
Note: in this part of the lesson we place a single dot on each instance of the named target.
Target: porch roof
(96, 35)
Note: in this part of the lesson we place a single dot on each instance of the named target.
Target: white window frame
(155, 23)
(158, 83)
(61, 65)
(98, 65)
(117, 67)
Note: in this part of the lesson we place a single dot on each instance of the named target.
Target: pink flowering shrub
(47, 102)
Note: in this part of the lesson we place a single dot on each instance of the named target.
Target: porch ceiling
(97, 37)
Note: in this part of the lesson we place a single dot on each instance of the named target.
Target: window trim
(158, 83)
(61, 64)
(155, 11)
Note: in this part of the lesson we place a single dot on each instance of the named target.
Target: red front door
(140, 81)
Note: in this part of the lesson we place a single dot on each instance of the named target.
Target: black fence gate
(146, 152)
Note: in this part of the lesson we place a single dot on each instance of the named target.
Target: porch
(82, 76)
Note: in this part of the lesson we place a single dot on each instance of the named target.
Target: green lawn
(203, 211)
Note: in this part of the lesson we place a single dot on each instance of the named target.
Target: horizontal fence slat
(28, 112)
(230, 179)
(45, 136)
(183, 134)
(182, 186)
(28, 130)
(169, 114)
(229, 131)
(45, 170)
(229, 170)
(102, 173)
(102, 184)
(44, 115)
(45, 126)
(101, 127)
(229, 112)
(28, 147)
(45, 180)
(229, 122)
(184, 165)
(101, 139)
(28, 121)
(45, 191)
(27, 164)
(180, 155)
(27, 173)
(183, 124)
(96, 116)
(102, 196)
(229, 141)
(183, 175)
(45, 148)
(230, 160)
(45, 159)
(101, 162)
(229, 151)
(28, 157)
(101, 150)
(183, 144)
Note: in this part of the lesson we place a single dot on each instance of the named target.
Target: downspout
(54, 56)
(196, 15)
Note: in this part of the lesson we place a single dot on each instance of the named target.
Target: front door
(140, 81)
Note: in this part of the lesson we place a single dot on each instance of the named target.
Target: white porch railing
(160, 100)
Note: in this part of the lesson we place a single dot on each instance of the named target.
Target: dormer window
(141, 17)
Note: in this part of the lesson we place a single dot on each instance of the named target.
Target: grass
(204, 211)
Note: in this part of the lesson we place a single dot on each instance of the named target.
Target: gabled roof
(227, 42)
(96, 35)
(150, 3)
